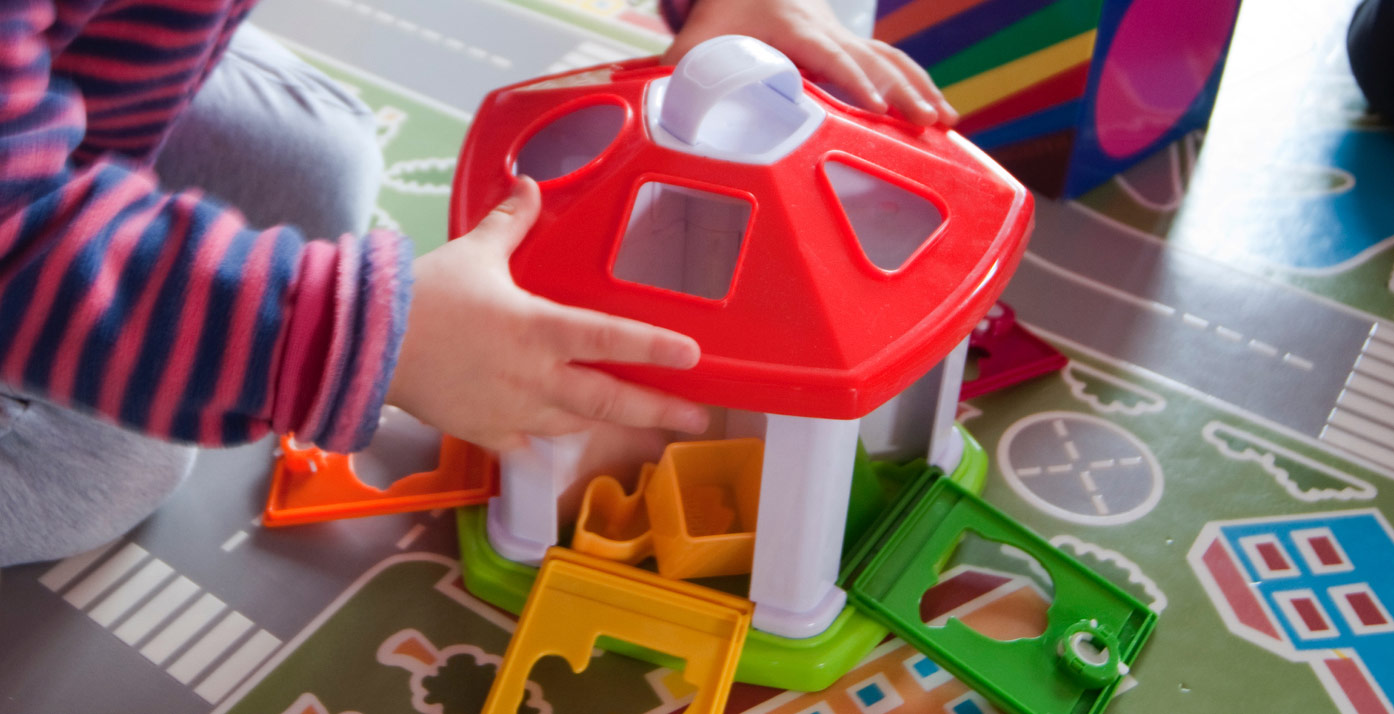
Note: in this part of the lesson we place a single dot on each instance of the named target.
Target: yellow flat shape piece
(578, 597)
(999, 82)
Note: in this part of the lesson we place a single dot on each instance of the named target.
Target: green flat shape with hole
(1094, 629)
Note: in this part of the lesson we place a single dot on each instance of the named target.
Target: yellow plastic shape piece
(703, 501)
(614, 525)
(578, 598)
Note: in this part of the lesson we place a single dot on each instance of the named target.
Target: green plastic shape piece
(1094, 630)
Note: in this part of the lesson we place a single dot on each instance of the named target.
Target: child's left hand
(875, 74)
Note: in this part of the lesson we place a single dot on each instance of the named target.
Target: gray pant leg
(69, 482)
(279, 140)
(268, 134)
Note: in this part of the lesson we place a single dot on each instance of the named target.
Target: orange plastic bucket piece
(311, 485)
(577, 598)
(702, 500)
(614, 525)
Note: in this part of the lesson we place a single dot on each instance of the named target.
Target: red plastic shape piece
(1007, 354)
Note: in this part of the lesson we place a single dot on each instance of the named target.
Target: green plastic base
(808, 664)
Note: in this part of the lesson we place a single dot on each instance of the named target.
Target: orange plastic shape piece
(703, 500)
(577, 598)
(311, 485)
(612, 524)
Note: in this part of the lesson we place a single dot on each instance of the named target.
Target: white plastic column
(900, 429)
(945, 443)
(920, 420)
(805, 484)
(523, 518)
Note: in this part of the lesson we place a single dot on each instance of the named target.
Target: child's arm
(875, 74)
(490, 363)
(164, 312)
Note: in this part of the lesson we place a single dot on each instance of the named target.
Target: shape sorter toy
(825, 259)
(1067, 93)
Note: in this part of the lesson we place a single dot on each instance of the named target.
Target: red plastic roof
(810, 327)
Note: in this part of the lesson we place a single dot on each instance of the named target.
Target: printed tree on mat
(462, 684)
(453, 680)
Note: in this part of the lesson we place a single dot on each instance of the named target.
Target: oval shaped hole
(570, 141)
(683, 239)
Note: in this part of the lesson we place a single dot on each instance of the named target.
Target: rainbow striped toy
(1067, 93)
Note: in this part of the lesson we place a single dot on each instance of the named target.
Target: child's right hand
(488, 362)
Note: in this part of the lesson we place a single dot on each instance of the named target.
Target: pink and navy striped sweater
(164, 311)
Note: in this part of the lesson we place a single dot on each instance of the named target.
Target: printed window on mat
(1362, 609)
(1322, 552)
(926, 672)
(1305, 614)
(970, 703)
(683, 239)
(1269, 558)
(874, 695)
(891, 224)
(821, 707)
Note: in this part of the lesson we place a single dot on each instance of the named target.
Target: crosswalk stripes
(135, 589)
(199, 656)
(192, 634)
(178, 633)
(106, 575)
(1362, 422)
(61, 574)
(156, 610)
(235, 668)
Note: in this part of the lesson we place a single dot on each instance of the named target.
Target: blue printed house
(1314, 588)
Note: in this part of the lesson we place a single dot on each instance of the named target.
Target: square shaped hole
(683, 239)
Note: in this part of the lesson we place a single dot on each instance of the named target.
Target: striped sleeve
(164, 311)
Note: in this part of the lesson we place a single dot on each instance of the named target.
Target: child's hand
(488, 362)
(875, 74)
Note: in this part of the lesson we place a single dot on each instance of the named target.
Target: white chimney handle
(716, 69)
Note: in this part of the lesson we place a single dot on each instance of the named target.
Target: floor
(1226, 307)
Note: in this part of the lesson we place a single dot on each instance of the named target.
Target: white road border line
(1383, 469)
(361, 73)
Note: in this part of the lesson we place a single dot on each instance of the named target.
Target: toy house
(824, 258)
